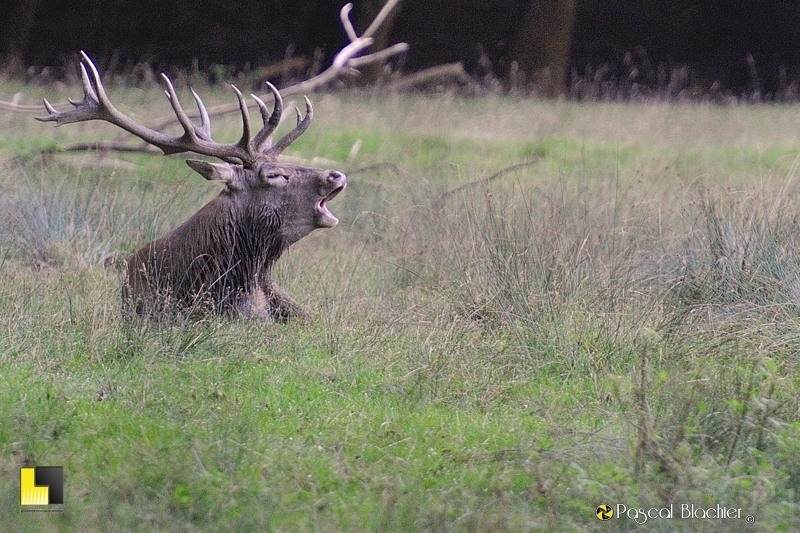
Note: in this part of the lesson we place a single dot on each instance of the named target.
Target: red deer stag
(219, 260)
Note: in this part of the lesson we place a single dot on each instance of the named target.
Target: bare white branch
(97, 106)
(346, 61)
(380, 18)
(344, 15)
(377, 57)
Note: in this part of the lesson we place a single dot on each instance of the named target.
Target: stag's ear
(215, 172)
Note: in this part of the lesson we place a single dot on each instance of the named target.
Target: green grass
(613, 321)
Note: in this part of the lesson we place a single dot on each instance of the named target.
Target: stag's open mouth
(327, 219)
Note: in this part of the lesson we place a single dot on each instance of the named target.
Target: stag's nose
(337, 177)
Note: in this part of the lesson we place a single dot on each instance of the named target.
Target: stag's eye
(273, 177)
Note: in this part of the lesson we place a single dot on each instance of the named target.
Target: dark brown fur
(219, 260)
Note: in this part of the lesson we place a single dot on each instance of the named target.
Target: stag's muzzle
(336, 182)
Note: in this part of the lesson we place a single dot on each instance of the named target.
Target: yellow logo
(604, 512)
(42, 485)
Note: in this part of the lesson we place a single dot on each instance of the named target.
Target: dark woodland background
(737, 48)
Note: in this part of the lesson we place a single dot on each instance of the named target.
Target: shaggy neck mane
(228, 249)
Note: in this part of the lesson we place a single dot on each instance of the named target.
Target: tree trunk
(18, 31)
(541, 49)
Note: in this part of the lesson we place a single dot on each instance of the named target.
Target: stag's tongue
(328, 220)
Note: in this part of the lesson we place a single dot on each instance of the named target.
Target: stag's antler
(97, 106)
(346, 60)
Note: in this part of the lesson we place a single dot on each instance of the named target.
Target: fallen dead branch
(447, 74)
(346, 62)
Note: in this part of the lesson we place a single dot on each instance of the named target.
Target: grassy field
(529, 309)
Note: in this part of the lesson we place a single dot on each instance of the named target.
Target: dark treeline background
(748, 47)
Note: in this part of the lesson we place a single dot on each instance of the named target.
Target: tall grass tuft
(738, 259)
(558, 266)
(687, 303)
(85, 216)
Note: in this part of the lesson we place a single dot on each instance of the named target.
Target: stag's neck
(245, 239)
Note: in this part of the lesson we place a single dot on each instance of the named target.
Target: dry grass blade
(439, 202)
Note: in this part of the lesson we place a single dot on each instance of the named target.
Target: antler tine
(183, 118)
(302, 126)
(97, 106)
(50, 112)
(244, 142)
(241, 150)
(205, 121)
(88, 88)
(263, 137)
(84, 109)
